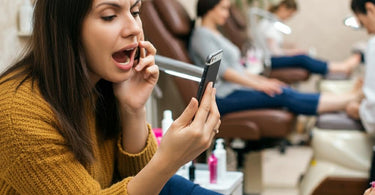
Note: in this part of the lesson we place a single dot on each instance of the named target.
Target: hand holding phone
(210, 72)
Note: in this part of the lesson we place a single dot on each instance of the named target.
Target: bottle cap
(167, 114)
(220, 143)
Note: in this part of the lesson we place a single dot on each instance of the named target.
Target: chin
(121, 77)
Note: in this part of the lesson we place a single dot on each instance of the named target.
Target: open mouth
(123, 57)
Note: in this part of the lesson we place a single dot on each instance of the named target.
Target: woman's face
(284, 13)
(110, 35)
(220, 12)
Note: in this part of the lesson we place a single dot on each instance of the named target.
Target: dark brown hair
(54, 60)
(204, 6)
(359, 6)
(290, 4)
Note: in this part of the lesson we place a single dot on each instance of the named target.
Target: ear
(370, 8)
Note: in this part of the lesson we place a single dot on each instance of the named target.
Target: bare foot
(352, 62)
(346, 66)
(357, 90)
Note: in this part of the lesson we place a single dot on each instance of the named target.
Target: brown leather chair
(167, 25)
(235, 29)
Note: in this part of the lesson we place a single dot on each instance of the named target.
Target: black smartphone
(137, 54)
(210, 71)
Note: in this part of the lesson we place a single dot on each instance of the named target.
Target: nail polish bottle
(212, 166)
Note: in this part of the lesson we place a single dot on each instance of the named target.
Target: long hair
(358, 6)
(55, 61)
(290, 4)
(205, 6)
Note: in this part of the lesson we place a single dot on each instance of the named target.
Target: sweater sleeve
(35, 158)
(130, 164)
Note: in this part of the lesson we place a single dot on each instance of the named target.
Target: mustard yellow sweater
(35, 159)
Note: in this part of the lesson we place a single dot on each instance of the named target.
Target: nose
(132, 26)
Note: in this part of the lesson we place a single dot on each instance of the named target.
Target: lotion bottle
(221, 156)
(167, 121)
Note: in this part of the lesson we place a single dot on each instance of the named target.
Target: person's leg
(336, 102)
(346, 66)
(300, 61)
(299, 103)
(178, 185)
(296, 102)
(316, 66)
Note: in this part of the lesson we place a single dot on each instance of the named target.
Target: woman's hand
(271, 87)
(133, 93)
(192, 132)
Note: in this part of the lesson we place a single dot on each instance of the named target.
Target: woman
(238, 89)
(284, 53)
(73, 108)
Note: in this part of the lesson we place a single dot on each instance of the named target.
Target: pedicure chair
(168, 26)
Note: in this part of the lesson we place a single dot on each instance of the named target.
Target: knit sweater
(35, 158)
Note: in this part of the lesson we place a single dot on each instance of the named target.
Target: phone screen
(210, 72)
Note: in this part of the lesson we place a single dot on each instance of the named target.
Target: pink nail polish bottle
(212, 166)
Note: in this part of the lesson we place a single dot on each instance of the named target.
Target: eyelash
(136, 13)
(110, 18)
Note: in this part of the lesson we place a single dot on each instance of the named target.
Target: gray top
(204, 42)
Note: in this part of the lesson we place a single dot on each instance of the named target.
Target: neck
(208, 23)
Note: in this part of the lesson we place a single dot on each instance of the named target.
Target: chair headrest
(238, 17)
(174, 14)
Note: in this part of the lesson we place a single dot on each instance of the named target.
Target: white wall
(319, 24)
(10, 43)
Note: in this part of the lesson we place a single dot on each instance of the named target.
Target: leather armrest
(272, 123)
(290, 75)
(243, 129)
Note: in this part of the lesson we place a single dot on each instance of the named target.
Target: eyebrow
(117, 5)
(135, 4)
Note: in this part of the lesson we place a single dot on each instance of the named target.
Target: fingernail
(138, 68)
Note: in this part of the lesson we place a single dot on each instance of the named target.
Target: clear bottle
(26, 12)
(167, 121)
(221, 156)
(212, 167)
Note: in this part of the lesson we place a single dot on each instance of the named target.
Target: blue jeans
(296, 102)
(300, 61)
(178, 185)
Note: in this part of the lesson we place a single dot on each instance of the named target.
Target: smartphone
(210, 71)
(137, 54)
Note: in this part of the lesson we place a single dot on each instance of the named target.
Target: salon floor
(270, 172)
(276, 173)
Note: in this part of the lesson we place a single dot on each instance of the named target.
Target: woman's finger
(213, 120)
(151, 71)
(204, 107)
(145, 62)
(187, 116)
(150, 49)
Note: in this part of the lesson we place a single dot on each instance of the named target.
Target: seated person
(364, 109)
(240, 90)
(73, 117)
(274, 39)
